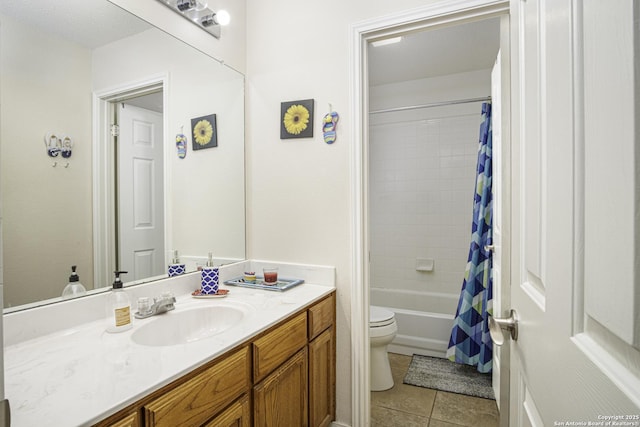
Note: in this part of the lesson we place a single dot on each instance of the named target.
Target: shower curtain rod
(435, 104)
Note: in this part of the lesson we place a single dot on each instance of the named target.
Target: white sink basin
(181, 327)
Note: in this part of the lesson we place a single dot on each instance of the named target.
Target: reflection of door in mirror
(140, 191)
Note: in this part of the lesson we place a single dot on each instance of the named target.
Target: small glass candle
(270, 276)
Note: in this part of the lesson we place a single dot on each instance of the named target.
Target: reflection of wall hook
(54, 164)
(67, 165)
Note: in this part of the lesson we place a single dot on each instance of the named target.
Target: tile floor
(410, 406)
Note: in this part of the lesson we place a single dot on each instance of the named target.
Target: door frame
(361, 33)
(104, 180)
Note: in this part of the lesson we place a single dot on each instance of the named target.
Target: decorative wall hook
(53, 145)
(66, 146)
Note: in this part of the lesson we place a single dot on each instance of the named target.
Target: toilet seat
(379, 317)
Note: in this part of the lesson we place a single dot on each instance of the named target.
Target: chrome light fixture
(199, 14)
(220, 18)
(184, 5)
(208, 20)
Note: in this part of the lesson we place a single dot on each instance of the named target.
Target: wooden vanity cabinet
(301, 392)
(283, 377)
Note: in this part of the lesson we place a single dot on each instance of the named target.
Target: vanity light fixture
(220, 18)
(198, 13)
(184, 5)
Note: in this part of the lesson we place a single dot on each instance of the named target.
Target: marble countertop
(78, 376)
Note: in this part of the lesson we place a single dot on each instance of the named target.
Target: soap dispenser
(176, 268)
(118, 307)
(210, 260)
(74, 288)
(209, 278)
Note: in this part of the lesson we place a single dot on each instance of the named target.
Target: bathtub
(424, 319)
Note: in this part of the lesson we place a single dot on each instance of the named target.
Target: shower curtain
(470, 342)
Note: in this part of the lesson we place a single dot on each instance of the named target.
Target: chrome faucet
(160, 305)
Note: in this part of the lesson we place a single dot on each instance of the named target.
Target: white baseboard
(337, 424)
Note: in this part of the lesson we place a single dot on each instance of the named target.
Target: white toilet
(382, 330)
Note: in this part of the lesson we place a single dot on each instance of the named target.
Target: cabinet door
(322, 379)
(236, 415)
(281, 399)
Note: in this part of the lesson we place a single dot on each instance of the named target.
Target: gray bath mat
(442, 374)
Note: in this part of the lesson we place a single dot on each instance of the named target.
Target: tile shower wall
(421, 190)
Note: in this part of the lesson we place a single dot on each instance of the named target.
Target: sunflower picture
(204, 132)
(296, 119)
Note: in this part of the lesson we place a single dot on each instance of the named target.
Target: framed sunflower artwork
(204, 131)
(296, 119)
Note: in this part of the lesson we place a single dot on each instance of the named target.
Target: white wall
(47, 210)
(299, 190)
(422, 174)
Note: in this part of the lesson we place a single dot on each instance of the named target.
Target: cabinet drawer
(321, 316)
(131, 420)
(272, 349)
(197, 400)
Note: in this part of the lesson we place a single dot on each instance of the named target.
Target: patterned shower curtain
(470, 342)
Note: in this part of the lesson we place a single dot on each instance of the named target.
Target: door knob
(496, 326)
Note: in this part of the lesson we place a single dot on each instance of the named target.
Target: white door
(575, 219)
(500, 258)
(140, 193)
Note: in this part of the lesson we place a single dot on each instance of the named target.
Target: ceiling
(439, 52)
(428, 53)
(89, 23)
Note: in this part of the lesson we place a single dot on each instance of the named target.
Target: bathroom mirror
(66, 68)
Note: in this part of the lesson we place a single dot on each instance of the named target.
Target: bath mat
(442, 374)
